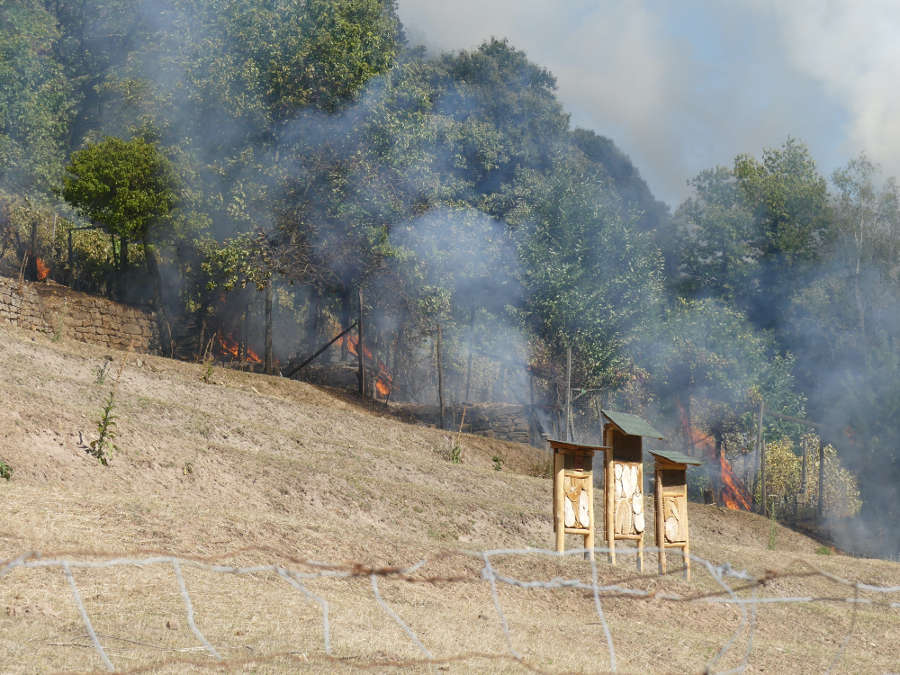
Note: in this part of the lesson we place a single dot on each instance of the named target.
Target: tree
(715, 241)
(590, 279)
(125, 186)
(704, 354)
(35, 99)
(868, 225)
(793, 226)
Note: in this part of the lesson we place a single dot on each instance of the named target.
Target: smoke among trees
(315, 152)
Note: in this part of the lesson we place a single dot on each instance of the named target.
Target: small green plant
(207, 362)
(100, 373)
(188, 468)
(207, 371)
(823, 550)
(498, 462)
(5, 470)
(106, 426)
(456, 454)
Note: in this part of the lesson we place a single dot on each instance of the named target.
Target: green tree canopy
(35, 99)
(125, 186)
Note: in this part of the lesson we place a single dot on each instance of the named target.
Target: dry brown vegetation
(255, 470)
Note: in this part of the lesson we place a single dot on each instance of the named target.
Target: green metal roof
(631, 424)
(677, 457)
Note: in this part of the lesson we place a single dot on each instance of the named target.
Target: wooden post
(761, 445)
(559, 495)
(568, 393)
(532, 426)
(660, 523)
(589, 537)
(820, 508)
(242, 336)
(640, 541)
(360, 349)
(469, 361)
(268, 366)
(440, 373)
(804, 469)
(686, 550)
(609, 477)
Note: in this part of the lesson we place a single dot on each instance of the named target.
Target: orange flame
(734, 494)
(384, 380)
(42, 269)
(229, 346)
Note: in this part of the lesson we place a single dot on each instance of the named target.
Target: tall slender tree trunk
(360, 349)
(761, 449)
(151, 264)
(123, 267)
(312, 319)
(268, 360)
(820, 507)
(440, 373)
(345, 319)
(471, 345)
(569, 394)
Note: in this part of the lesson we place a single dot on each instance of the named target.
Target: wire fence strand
(738, 589)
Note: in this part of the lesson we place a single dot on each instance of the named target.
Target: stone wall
(52, 309)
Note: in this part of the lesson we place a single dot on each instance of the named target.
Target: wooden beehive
(671, 506)
(573, 492)
(623, 480)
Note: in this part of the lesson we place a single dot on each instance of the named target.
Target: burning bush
(784, 479)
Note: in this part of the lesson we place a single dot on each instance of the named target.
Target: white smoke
(682, 87)
(851, 48)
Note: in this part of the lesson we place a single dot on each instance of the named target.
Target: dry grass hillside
(248, 470)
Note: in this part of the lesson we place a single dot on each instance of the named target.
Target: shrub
(784, 479)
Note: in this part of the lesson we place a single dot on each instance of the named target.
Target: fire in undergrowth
(383, 380)
(733, 493)
(232, 348)
(42, 270)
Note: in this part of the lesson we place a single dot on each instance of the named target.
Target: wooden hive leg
(609, 488)
(687, 561)
(660, 520)
(559, 494)
(589, 537)
(640, 555)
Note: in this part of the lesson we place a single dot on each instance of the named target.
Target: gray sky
(683, 86)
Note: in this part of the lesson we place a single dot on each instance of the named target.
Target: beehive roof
(631, 424)
(677, 457)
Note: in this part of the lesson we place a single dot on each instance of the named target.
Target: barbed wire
(297, 572)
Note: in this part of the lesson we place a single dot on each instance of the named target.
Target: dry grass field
(243, 470)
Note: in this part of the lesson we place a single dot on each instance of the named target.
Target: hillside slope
(245, 469)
